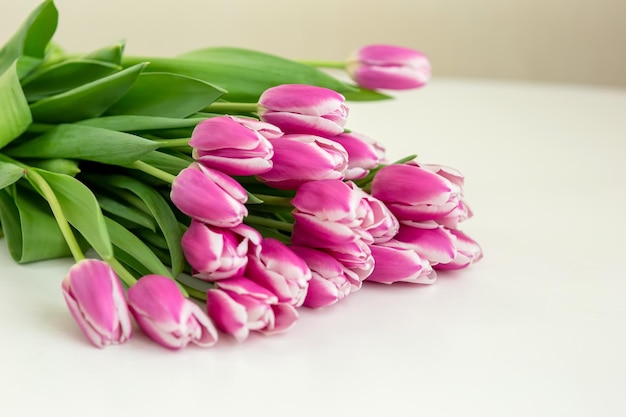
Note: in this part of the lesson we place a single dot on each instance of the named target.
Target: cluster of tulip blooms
(281, 207)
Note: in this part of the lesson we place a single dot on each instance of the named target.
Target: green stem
(325, 64)
(57, 212)
(192, 292)
(172, 143)
(225, 107)
(122, 272)
(274, 200)
(270, 223)
(55, 206)
(155, 172)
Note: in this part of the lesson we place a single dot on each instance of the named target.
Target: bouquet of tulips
(212, 193)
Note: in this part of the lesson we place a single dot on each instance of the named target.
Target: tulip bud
(307, 109)
(415, 193)
(209, 196)
(96, 300)
(363, 154)
(328, 283)
(468, 251)
(395, 263)
(218, 253)
(302, 158)
(234, 145)
(389, 67)
(238, 306)
(166, 316)
(430, 240)
(276, 267)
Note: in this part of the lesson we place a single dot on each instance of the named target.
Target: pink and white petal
(228, 315)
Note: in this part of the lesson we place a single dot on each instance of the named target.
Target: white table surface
(537, 328)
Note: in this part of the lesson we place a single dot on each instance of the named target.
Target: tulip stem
(270, 223)
(226, 107)
(122, 272)
(325, 64)
(172, 143)
(155, 172)
(274, 200)
(57, 211)
(46, 191)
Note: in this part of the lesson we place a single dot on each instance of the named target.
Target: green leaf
(111, 54)
(166, 162)
(364, 94)
(81, 210)
(126, 212)
(15, 115)
(28, 44)
(87, 101)
(165, 94)
(158, 208)
(126, 241)
(85, 143)
(139, 123)
(64, 76)
(58, 165)
(245, 74)
(30, 229)
(9, 174)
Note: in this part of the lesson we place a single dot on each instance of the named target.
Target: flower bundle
(218, 191)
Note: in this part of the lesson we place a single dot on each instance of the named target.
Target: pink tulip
(415, 193)
(218, 253)
(238, 306)
(363, 154)
(328, 212)
(468, 251)
(302, 158)
(299, 108)
(234, 145)
(389, 67)
(376, 219)
(396, 263)
(96, 300)
(276, 267)
(331, 215)
(328, 283)
(459, 214)
(166, 316)
(209, 196)
(430, 240)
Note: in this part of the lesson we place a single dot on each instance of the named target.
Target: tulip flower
(430, 240)
(376, 219)
(276, 267)
(302, 158)
(307, 109)
(218, 253)
(234, 145)
(397, 263)
(415, 193)
(166, 316)
(389, 67)
(209, 196)
(468, 251)
(363, 154)
(459, 214)
(95, 298)
(327, 212)
(238, 306)
(328, 283)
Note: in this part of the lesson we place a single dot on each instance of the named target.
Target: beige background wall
(575, 41)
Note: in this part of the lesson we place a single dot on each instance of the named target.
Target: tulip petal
(228, 315)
